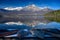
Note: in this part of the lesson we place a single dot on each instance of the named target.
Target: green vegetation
(53, 16)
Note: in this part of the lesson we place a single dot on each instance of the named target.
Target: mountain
(53, 16)
(33, 9)
(26, 10)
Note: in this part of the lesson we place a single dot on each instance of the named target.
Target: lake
(40, 28)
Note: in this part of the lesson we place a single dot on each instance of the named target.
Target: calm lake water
(39, 25)
(39, 33)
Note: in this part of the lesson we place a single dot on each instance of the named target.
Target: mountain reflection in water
(40, 30)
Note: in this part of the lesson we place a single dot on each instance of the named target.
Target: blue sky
(55, 4)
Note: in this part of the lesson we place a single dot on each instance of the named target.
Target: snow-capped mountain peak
(31, 8)
(32, 5)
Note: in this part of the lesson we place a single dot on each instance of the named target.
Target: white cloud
(11, 8)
